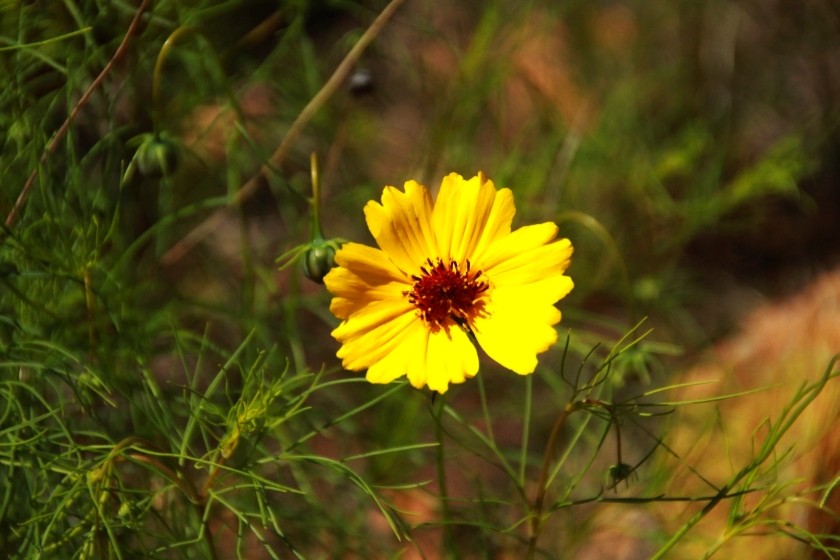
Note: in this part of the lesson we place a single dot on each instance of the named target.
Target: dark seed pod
(620, 472)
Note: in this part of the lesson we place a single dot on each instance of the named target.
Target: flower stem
(537, 520)
(617, 441)
(163, 54)
(447, 543)
(526, 428)
(317, 232)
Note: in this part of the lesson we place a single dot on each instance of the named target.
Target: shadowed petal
(444, 357)
(374, 332)
(401, 225)
(364, 275)
(369, 262)
(533, 264)
(426, 358)
(395, 364)
(461, 212)
(497, 226)
(514, 245)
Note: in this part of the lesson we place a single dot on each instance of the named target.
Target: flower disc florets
(445, 294)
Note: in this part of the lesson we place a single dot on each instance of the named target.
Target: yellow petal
(518, 323)
(434, 359)
(402, 227)
(444, 357)
(364, 275)
(372, 316)
(510, 246)
(354, 294)
(532, 264)
(498, 224)
(461, 213)
(394, 364)
(368, 262)
(372, 333)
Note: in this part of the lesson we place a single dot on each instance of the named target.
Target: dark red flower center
(445, 294)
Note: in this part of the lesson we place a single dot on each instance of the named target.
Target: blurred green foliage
(168, 408)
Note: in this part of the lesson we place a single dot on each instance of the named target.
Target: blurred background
(690, 150)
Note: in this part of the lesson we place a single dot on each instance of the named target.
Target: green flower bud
(319, 259)
(157, 156)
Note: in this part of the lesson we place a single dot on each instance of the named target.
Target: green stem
(447, 544)
(617, 440)
(317, 232)
(158, 71)
(526, 428)
(163, 55)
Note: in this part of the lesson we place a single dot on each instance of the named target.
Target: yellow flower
(446, 270)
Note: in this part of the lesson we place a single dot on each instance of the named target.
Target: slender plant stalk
(12, 217)
(448, 542)
(536, 524)
(615, 424)
(194, 237)
(526, 428)
(163, 54)
(90, 302)
(316, 232)
(157, 75)
(485, 409)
